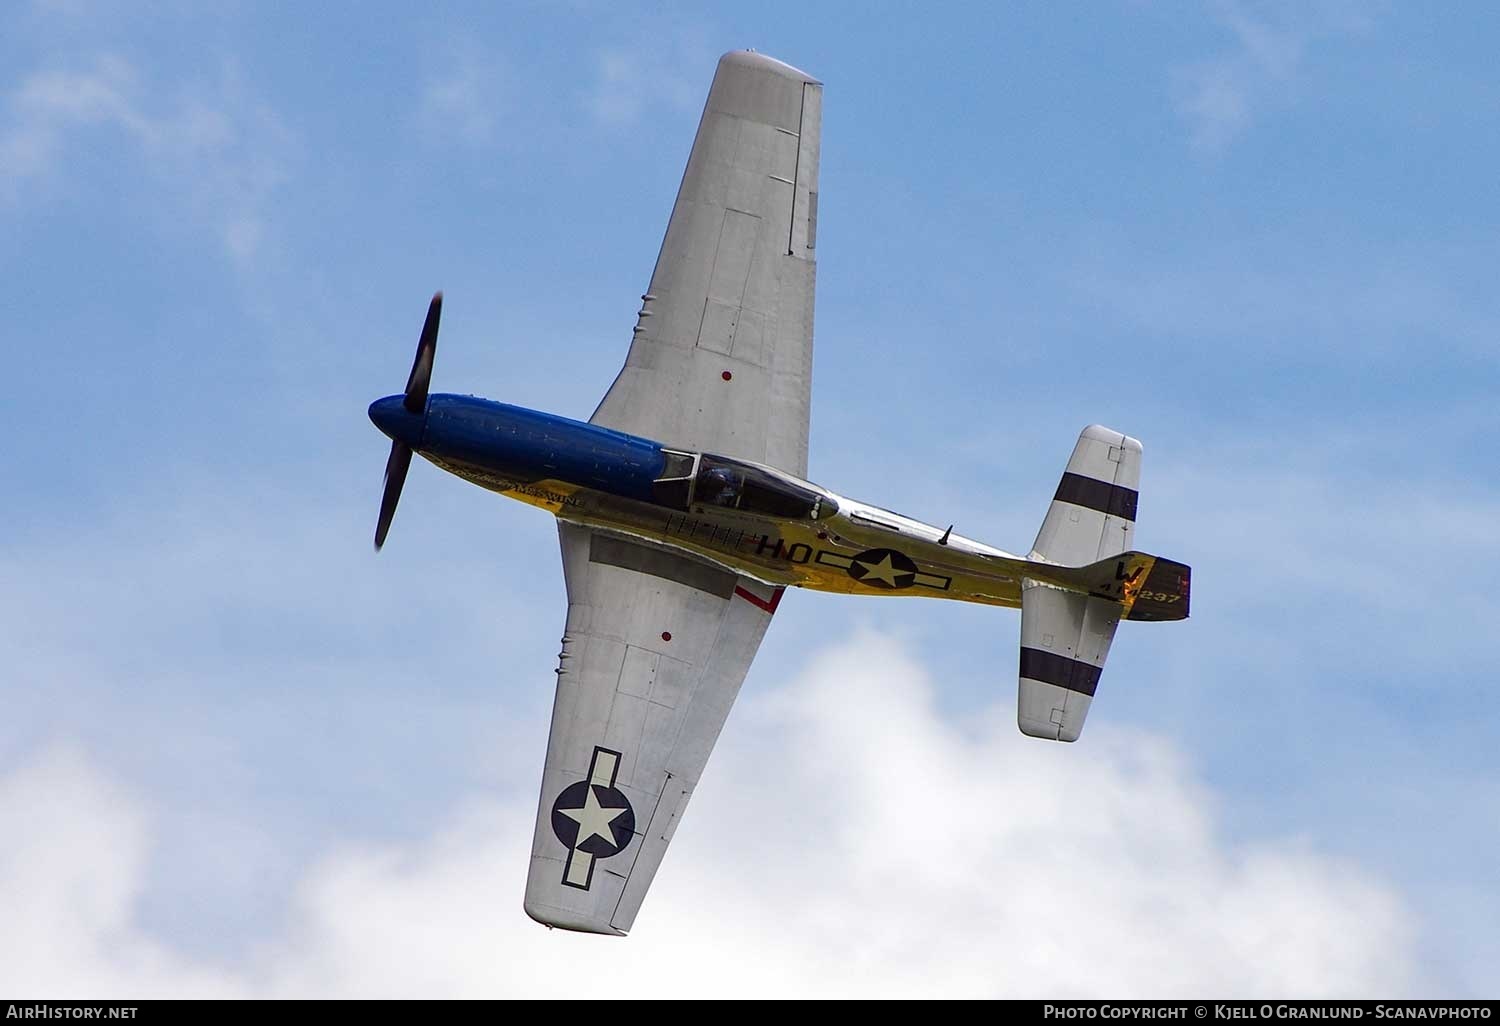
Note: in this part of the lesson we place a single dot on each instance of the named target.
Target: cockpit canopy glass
(677, 464)
(718, 481)
(734, 485)
(675, 484)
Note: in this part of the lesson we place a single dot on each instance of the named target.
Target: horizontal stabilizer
(1081, 581)
(1093, 510)
(1065, 638)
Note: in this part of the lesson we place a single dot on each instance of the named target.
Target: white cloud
(1221, 96)
(848, 841)
(48, 103)
(72, 863)
(215, 148)
(667, 71)
(463, 97)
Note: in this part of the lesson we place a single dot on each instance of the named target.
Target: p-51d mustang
(683, 512)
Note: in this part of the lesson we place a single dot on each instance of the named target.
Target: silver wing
(657, 644)
(722, 355)
(653, 655)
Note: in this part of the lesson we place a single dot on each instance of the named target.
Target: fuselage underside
(742, 516)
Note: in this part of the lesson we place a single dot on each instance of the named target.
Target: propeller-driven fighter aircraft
(684, 512)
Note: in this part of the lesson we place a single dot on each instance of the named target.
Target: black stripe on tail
(1112, 499)
(1051, 668)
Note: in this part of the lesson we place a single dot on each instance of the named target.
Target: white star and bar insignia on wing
(593, 819)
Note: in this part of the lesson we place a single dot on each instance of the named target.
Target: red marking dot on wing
(726, 375)
(666, 635)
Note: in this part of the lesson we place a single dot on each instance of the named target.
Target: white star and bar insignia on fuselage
(886, 569)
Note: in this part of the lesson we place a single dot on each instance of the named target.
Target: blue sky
(1259, 237)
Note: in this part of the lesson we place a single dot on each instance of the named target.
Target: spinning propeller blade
(399, 461)
(396, 466)
(421, 367)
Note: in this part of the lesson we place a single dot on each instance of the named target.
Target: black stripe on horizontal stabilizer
(1051, 668)
(1115, 500)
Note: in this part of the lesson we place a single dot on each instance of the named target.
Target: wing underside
(657, 643)
(721, 358)
(655, 649)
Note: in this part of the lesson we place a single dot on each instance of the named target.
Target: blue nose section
(391, 417)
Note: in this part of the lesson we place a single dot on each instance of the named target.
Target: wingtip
(762, 62)
(552, 917)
